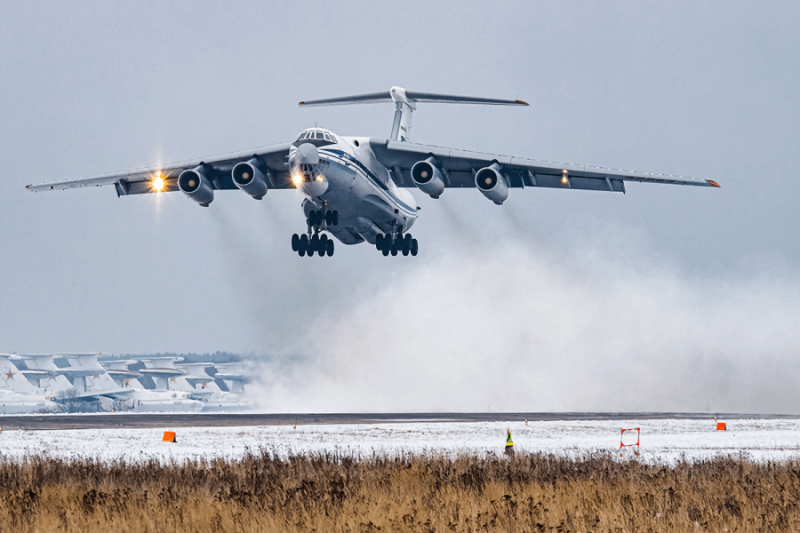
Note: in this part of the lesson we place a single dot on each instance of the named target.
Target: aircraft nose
(306, 154)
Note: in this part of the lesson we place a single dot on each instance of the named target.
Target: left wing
(459, 167)
(272, 160)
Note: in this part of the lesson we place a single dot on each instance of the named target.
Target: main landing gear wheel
(322, 246)
(302, 245)
(329, 248)
(295, 243)
(318, 217)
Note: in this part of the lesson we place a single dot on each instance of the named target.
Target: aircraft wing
(459, 166)
(272, 160)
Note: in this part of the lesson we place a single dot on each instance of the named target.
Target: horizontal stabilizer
(411, 97)
(405, 104)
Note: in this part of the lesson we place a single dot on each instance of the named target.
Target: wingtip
(521, 102)
(302, 102)
(714, 184)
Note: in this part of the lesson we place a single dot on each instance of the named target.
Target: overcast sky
(553, 292)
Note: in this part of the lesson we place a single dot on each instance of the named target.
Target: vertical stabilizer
(401, 127)
(12, 378)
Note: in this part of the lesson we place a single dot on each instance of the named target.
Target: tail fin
(12, 378)
(405, 104)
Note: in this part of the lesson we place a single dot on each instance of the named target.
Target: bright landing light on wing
(297, 179)
(158, 183)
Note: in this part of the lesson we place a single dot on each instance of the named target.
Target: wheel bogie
(317, 242)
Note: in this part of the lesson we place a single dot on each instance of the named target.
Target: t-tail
(405, 103)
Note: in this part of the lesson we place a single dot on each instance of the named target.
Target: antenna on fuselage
(405, 103)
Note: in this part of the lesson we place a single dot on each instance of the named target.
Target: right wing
(459, 167)
(218, 169)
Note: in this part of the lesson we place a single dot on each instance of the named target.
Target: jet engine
(492, 184)
(426, 175)
(248, 178)
(196, 186)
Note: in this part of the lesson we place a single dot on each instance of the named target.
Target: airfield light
(297, 179)
(158, 183)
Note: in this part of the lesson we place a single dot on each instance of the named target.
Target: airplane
(136, 398)
(202, 386)
(234, 376)
(20, 396)
(82, 385)
(356, 188)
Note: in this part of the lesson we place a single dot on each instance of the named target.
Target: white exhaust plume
(505, 327)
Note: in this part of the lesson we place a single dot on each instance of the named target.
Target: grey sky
(703, 89)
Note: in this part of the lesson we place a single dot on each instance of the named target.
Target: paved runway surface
(150, 420)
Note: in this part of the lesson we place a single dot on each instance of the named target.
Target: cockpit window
(318, 136)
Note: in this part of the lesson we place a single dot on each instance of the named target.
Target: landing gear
(321, 244)
(318, 217)
(314, 241)
(394, 244)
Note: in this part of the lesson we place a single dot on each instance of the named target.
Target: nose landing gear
(311, 242)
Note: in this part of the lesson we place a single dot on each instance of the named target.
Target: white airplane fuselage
(350, 180)
(12, 403)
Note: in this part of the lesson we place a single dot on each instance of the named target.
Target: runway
(183, 420)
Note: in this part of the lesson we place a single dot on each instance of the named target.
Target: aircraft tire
(330, 248)
(328, 217)
(313, 244)
(394, 248)
(379, 242)
(385, 251)
(414, 247)
(323, 245)
(406, 244)
(295, 242)
(335, 218)
(405, 251)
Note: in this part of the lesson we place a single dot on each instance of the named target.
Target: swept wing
(218, 169)
(459, 168)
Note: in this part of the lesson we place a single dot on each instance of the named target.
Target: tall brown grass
(408, 493)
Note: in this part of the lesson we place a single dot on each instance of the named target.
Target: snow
(662, 441)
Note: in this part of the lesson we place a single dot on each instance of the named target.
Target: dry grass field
(413, 493)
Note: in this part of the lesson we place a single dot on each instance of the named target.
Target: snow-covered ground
(661, 440)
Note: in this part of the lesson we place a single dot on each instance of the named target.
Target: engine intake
(427, 176)
(250, 179)
(196, 186)
(490, 181)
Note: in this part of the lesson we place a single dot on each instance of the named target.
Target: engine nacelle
(248, 178)
(490, 181)
(426, 175)
(196, 186)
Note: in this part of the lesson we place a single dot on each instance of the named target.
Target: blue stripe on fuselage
(358, 165)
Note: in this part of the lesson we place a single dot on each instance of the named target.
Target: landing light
(158, 183)
(320, 178)
(297, 179)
